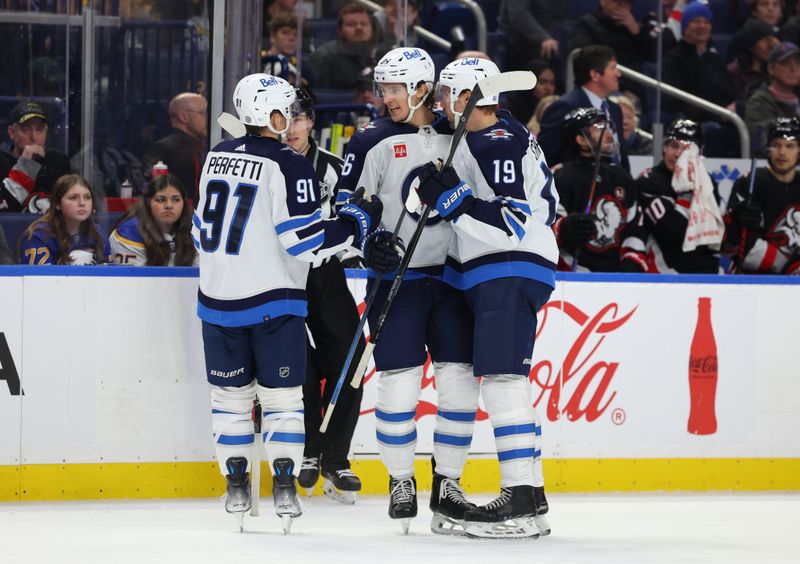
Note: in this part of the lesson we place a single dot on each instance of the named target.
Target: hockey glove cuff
(364, 213)
(381, 253)
(576, 229)
(444, 191)
(747, 216)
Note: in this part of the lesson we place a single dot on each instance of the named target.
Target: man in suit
(595, 69)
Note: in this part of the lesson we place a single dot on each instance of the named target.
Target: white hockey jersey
(385, 157)
(506, 230)
(257, 226)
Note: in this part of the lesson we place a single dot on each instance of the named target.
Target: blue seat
(722, 42)
(491, 9)
(579, 7)
(448, 15)
(724, 18)
(321, 30)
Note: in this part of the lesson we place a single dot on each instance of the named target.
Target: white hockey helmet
(258, 95)
(464, 74)
(405, 65)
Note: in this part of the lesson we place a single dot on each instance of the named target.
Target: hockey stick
(231, 125)
(411, 204)
(750, 188)
(490, 86)
(595, 172)
(255, 464)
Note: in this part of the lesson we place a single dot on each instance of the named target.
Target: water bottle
(159, 169)
(126, 189)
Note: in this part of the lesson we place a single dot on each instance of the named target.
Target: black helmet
(783, 128)
(578, 120)
(685, 130)
(306, 102)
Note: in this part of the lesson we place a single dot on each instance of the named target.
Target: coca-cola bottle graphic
(703, 373)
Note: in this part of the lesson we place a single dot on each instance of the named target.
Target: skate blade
(239, 521)
(443, 525)
(542, 524)
(519, 528)
(405, 524)
(343, 497)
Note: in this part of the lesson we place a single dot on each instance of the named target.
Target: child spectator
(157, 230)
(66, 233)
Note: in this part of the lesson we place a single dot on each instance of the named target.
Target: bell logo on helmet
(268, 82)
(469, 62)
(415, 54)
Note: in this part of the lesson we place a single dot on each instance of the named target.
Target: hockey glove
(747, 216)
(576, 229)
(630, 265)
(444, 191)
(381, 254)
(364, 213)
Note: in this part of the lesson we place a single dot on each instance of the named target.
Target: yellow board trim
(202, 479)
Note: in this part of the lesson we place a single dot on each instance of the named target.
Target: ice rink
(623, 528)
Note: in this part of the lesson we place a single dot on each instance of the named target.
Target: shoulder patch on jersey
(498, 134)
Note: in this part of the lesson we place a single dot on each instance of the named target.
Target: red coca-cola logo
(704, 364)
(580, 385)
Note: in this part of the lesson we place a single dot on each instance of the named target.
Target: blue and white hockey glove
(444, 191)
(381, 253)
(364, 213)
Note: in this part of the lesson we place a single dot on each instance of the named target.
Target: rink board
(112, 400)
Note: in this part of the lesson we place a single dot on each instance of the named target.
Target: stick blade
(231, 125)
(507, 82)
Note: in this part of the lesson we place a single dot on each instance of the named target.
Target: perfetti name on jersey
(236, 166)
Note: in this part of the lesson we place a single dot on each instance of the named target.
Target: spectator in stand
(6, 257)
(283, 36)
(523, 104)
(156, 231)
(750, 48)
(339, 63)
(273, 9)
(183, 150)
(673, 12)
(28, 170)
(768, 11)
(638, 141)
(769, 219)
(535, 123)
(665, 210)
(390, 25)
(791, 29)
(778, 98)
(608, 238)
(532, 26)
(595, 70)
(66, 233)
(695, 67)
(614, 25)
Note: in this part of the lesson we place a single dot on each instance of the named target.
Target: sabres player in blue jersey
(500, 200)
(386, 157)
(257, 228)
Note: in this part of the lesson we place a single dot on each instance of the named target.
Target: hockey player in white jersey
(385, 157)
(257, 227)
(500, 200)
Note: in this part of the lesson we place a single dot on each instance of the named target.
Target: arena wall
(103, 391)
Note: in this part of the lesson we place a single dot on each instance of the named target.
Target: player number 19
(507, 173)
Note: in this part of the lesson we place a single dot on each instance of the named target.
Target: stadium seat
(321, 30)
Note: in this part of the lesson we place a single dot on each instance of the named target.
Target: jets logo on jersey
(500, 134)
(400, 151)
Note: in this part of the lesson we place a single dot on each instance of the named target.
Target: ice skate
(541, 509)
(341, 485)
(309, 474)
(287, 505)
(448, 505)
(237, 495)
(510, 516)
(403, 500)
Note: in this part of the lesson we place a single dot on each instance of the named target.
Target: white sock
(457, 396)
(282, 426)
(231, 419)
(395, 427)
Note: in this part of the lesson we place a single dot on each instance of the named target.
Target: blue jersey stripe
(286, 437)
(297, 222)
(452, 440)
(196, 220)
(401, 440)
(507, 430)
(466, 416)
(468, 279)
(505, 455)
(254, 315)
(234, 440)
(519, 230)
(395, 417)
(306, 245)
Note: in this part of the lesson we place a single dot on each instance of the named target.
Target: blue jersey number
(217, 193)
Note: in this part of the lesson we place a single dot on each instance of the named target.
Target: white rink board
(112, 370)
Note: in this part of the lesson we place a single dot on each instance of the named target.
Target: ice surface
(626, 528)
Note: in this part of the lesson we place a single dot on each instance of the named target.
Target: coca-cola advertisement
(620, 370)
